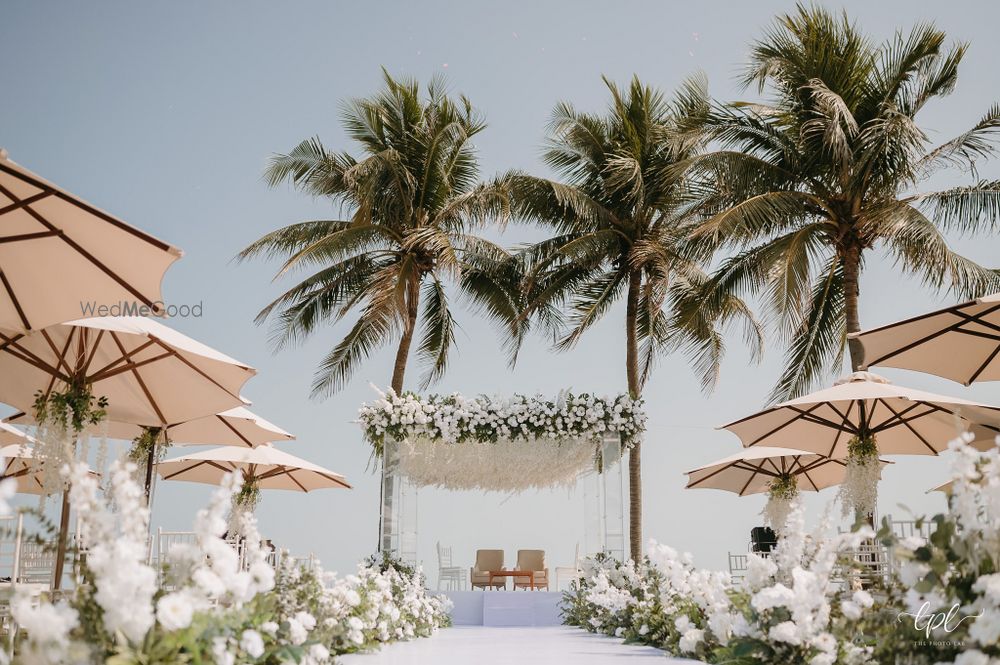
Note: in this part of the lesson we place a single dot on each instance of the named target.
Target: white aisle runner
(512, 646)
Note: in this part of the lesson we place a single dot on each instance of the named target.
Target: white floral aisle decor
(781, 495)
(496, 444)
(807, 603)
(859, 490)
(205, 605)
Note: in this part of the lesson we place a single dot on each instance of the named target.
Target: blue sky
(165, 114)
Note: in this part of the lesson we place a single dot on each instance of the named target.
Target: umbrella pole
(61, 547)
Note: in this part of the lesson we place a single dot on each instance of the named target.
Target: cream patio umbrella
(151, 375)
(751, 471)
(265, 466)
(59, 254)
(19, 462)
(233, 427)
(903, 421)
(261, 468)
(961, 343)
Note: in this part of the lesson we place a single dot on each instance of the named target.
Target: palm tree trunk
(851, 260)
(398, 371)
(635, 391)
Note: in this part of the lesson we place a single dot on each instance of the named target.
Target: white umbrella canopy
(152, 375)
(19, 462)
(903, 421)
(961, 343)
(269, 467)
(751, 470)
(58, 252)
(238, 426)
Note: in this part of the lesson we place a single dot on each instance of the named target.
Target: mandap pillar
(398, 517)
(604, 501)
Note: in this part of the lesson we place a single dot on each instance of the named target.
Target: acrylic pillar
(604, 503)
(399, 508)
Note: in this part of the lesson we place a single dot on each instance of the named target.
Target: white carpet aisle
(466, 645)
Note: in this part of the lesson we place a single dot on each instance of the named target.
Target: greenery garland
(248, 497)
(144, 444)
(76, 407)
(784, 486)
(781, 494)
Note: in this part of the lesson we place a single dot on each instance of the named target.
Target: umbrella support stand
(61, 546)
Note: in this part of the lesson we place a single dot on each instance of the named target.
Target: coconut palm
(828, 169)
(409, 200)
(621, 216)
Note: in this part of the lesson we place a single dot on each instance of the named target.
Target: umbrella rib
(90, 257)
(13, 299)
(132, 365)
(982, 368)
(334, 480)
(779, 427)
(138, 378)
(20, 203)
(38, 235)
(897, 418)
(693, 483)
(234, 430)
(11, 347)
(846, 417)
(185, 470)
(93, 351)
(749, 480)
(819, 420)
(193, 367)
(913, 431)
(159, 244)
(60, 359)
(956, 311)
(114, 363)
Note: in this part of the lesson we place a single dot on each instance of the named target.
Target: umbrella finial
(3, 154)
(861, 376)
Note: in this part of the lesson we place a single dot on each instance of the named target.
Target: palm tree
(621, 218)
(808, 183)
(410, 200)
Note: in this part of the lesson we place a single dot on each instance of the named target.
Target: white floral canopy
(497, 444)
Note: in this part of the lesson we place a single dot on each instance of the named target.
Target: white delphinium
(47, 627)
(124, 585)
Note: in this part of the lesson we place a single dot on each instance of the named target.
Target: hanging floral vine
(142, 446)
(244, 503)
(781, 495)
(859, 491)
(62, 417)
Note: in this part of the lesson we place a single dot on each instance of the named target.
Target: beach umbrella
(60, 255)
(19, 462)
(233, 427)
(752, 470)
(151, 375)
(265, 466)
(902, 420)
(961, 343)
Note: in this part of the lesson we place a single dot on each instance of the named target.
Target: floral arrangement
(64, 419)
(497, 444)
(456, 419)
(782, 493)
(806, 603)
(205, 605)
(859, 491)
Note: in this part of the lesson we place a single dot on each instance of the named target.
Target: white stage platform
(505, 608)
